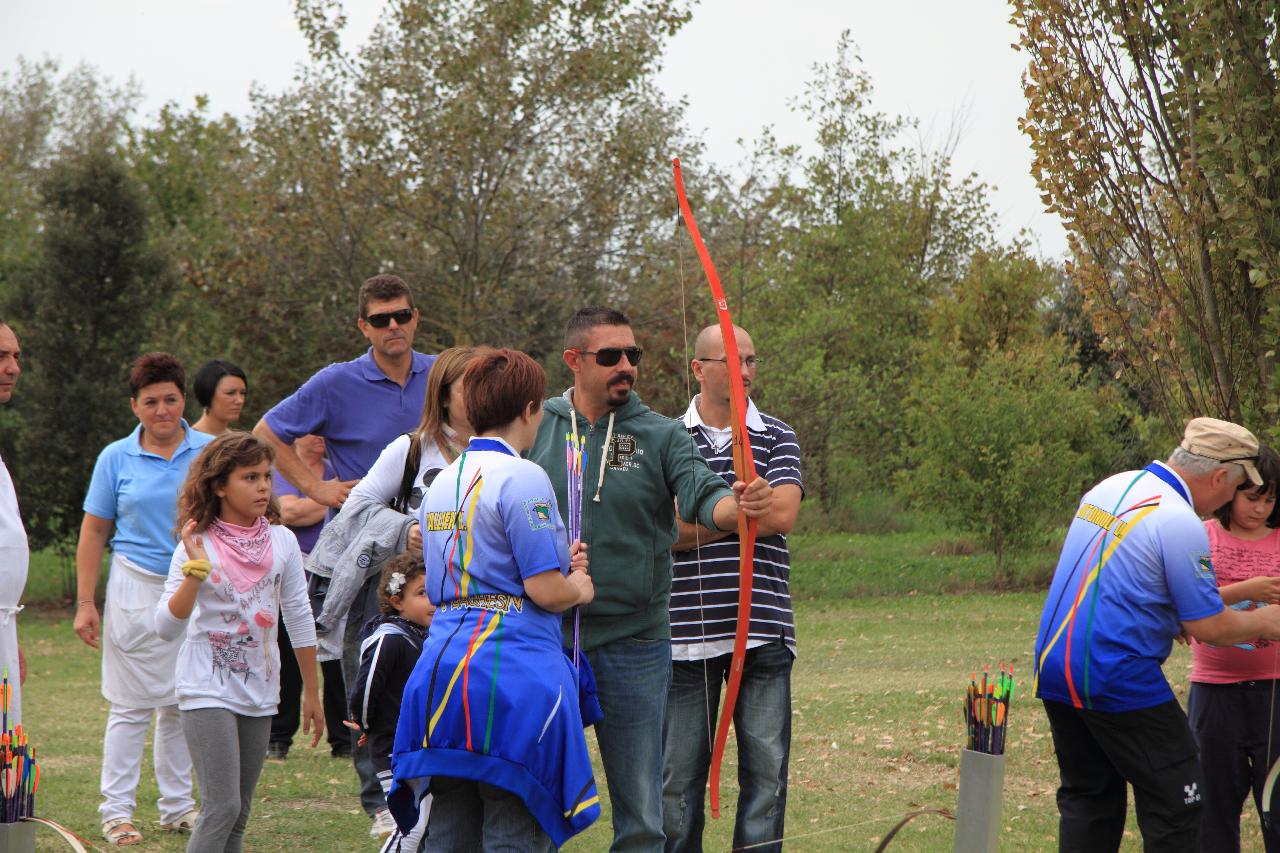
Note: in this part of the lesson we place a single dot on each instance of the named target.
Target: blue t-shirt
(1134, 566)
(356, 408)
(138, 490)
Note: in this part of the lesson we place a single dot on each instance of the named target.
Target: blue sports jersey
(1134, 566)
(493, 697)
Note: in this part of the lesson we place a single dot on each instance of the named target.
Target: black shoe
(277, 751)
(342, 750)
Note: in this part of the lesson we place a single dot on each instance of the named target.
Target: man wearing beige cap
(1135, 574)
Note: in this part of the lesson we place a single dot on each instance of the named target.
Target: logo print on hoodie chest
(622, 451)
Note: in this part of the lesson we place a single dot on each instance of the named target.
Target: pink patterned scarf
(244, 553)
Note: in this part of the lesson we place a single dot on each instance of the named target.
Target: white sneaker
(383, 824)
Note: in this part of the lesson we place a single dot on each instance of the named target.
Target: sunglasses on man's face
(609, 356)
(381, 321)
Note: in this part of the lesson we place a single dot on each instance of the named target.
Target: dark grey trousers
(227, 750)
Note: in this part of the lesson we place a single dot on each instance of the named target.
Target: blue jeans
(762, 725)
(633, 677)
(475, 816)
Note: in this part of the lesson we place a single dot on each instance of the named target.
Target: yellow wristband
(198, 569)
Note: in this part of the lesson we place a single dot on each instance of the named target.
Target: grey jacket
(351, 549)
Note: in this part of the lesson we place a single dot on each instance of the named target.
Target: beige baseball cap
(1225, 442)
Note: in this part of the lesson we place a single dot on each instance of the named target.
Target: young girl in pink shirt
(1231, 704)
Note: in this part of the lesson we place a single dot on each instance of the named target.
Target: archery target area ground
(877, 722)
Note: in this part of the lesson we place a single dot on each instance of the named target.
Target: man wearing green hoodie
(637, 462)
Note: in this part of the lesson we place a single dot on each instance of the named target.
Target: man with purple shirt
(358, 407)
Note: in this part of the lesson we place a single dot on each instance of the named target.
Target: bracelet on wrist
(82, 602)
(198, 569)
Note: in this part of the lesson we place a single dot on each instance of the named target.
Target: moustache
(622, 380)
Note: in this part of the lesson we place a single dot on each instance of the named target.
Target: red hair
(498, 386)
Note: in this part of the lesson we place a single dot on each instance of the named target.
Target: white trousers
(9, 660)
(122, 762)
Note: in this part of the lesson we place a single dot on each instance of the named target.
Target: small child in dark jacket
(390, 644)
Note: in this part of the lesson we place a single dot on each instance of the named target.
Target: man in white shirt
(14, 553)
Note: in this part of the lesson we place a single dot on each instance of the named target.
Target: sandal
(120, 832)
(185, 823)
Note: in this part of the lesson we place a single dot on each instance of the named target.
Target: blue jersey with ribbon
(493, 697)
(1134, 566)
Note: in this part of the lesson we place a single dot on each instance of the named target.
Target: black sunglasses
(381, 321)
(609, 356)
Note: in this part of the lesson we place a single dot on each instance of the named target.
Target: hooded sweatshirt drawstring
(604, 458)
(604, 454)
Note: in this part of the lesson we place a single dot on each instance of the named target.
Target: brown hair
(210, 472)
(447, 369)
(586, 319)
(153, 368)
(409, 564)
(1269, 467)
(498, 386)
(382, 288)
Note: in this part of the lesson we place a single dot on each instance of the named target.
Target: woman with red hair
(490, 725)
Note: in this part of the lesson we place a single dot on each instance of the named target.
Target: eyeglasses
(381, 321)
(609, 356)
(750, 361)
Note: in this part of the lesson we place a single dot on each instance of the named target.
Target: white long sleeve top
(230, 658)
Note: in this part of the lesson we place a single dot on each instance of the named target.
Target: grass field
(877, 727)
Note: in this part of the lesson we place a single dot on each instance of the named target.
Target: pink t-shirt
(1235, 560)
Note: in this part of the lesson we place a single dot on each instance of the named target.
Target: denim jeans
(762, 726)
(633, 677)
(475, 816)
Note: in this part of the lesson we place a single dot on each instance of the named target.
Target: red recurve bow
(745, 470)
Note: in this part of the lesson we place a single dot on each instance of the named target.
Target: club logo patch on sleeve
(1204, 568)
(538, 511)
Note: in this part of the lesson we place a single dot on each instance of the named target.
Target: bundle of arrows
(575, 461)
(19, 770)
(986, 709)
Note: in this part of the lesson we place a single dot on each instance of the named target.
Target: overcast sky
(738, 62)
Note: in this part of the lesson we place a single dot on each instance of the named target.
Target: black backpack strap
(411, 460)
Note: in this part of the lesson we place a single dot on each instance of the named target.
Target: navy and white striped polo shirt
(704, 586)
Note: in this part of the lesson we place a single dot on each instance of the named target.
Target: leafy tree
(872, 232)
(1153, 127)
(44, 113)
(1002, 449)
(82, 311)
(507, 159)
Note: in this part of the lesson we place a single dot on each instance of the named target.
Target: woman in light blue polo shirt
(132, 503)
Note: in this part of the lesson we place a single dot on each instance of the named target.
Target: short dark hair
(586, 319)
(499, 385)
(209, 375)
(408, 563)
(153, 367)
(1269, 468)
(382, 288)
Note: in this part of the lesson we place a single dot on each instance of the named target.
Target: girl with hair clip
(490, 724)
(390, 644)
(1231, 706)
(236, 568)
